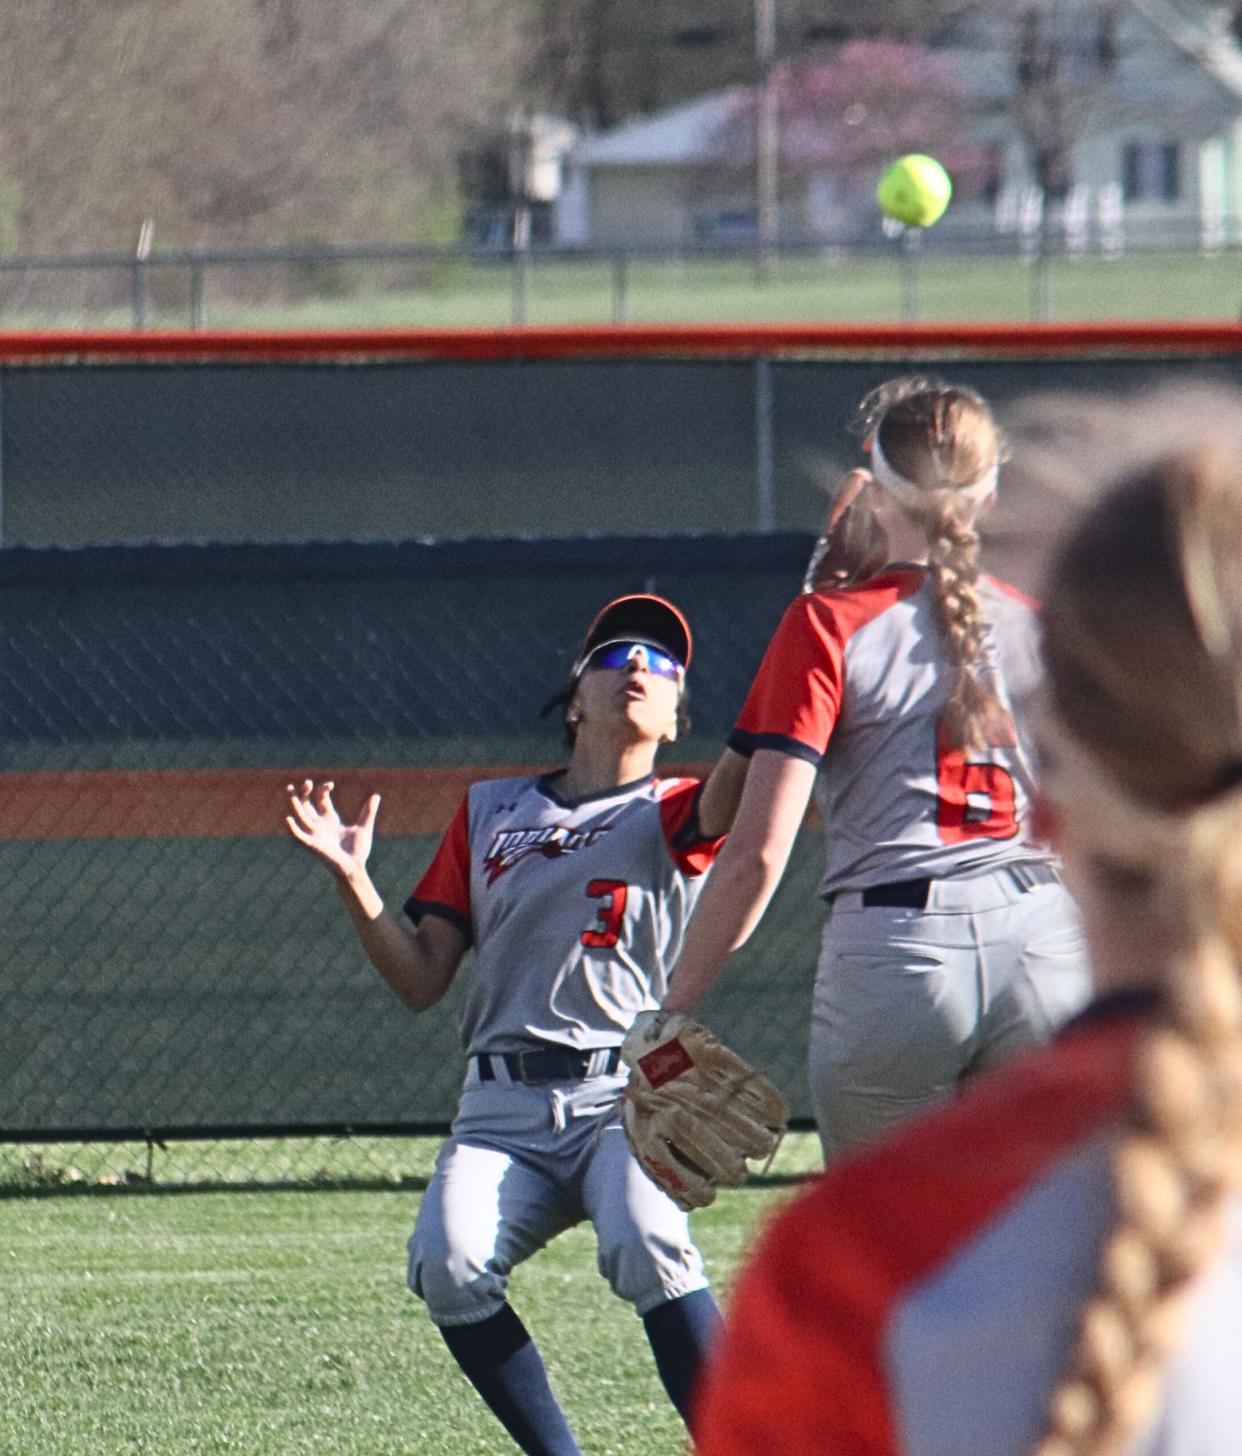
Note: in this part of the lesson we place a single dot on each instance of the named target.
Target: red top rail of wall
(611, 341)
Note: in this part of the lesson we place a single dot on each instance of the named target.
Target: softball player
(951, 943)
(1052, 1266)
(573, 889)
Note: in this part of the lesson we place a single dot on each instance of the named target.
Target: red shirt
(920, 1299)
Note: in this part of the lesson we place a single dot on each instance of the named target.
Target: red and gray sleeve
(691, 851)
(794, 700)
(444, 889)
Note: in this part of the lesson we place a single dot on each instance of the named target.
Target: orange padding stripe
(229, 803)
(1118, 337)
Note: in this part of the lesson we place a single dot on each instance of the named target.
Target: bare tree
(1062, 62)
(601, 61)
(245, 120)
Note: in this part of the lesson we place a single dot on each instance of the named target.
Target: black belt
(548, 1064)
(912, 894)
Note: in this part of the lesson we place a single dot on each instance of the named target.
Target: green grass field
(276, 1323)
(803, 287)
(1178, 285)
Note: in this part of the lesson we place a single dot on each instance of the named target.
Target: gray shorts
(908, 1003)
(523, 1164)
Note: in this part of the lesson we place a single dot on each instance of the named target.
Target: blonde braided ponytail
(975, 716)
(1164, 837)
(941, 438)
(1178, 1150)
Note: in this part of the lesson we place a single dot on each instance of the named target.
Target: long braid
(975, 716)
(1164, 834)
(942, 439)
(1178, 1156)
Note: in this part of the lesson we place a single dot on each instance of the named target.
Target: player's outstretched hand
(314, 822)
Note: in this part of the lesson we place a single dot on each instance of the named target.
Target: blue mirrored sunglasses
(620, 654)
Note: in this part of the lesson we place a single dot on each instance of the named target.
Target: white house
(1158, 158)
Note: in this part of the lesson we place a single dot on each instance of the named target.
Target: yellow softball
(915, 190)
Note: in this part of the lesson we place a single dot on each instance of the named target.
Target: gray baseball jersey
(577, 907)
(857, 681)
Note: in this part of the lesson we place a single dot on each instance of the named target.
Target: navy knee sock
(500, 1360)
(681, 1332)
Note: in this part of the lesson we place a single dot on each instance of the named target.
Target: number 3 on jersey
(607, 929)
(975, 800)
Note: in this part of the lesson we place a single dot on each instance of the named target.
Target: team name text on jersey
(510, 846)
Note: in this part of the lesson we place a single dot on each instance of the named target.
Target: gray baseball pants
(524, 1163)
(909, 1003)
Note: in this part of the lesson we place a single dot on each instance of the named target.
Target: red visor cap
(644, 618)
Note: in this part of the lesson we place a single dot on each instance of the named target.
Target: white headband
(913, 496)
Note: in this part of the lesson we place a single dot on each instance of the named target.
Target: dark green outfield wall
(162, 980)
(297, 452)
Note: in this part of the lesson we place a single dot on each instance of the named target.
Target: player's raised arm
(746, 874)
(774, 787)
(721, 794)
(417, 965)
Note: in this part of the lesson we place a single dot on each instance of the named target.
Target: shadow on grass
(141, 1187)
(39, 1176)
(416, 1183)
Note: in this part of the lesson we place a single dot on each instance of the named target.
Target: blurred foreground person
(1052, 1265)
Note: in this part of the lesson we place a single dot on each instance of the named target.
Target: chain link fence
(1173, 268)
(220, 450)
(178, 971)
(184, 999)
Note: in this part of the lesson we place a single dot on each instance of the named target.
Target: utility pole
(767, 138)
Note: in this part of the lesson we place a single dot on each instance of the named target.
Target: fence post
(1033, 222)
(765, 447)
(911, 245)
(620, 288)
(521, 285)
(146, 235)
(197, 314)
(1041, 287)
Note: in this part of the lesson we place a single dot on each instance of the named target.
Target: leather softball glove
(694, 1111)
